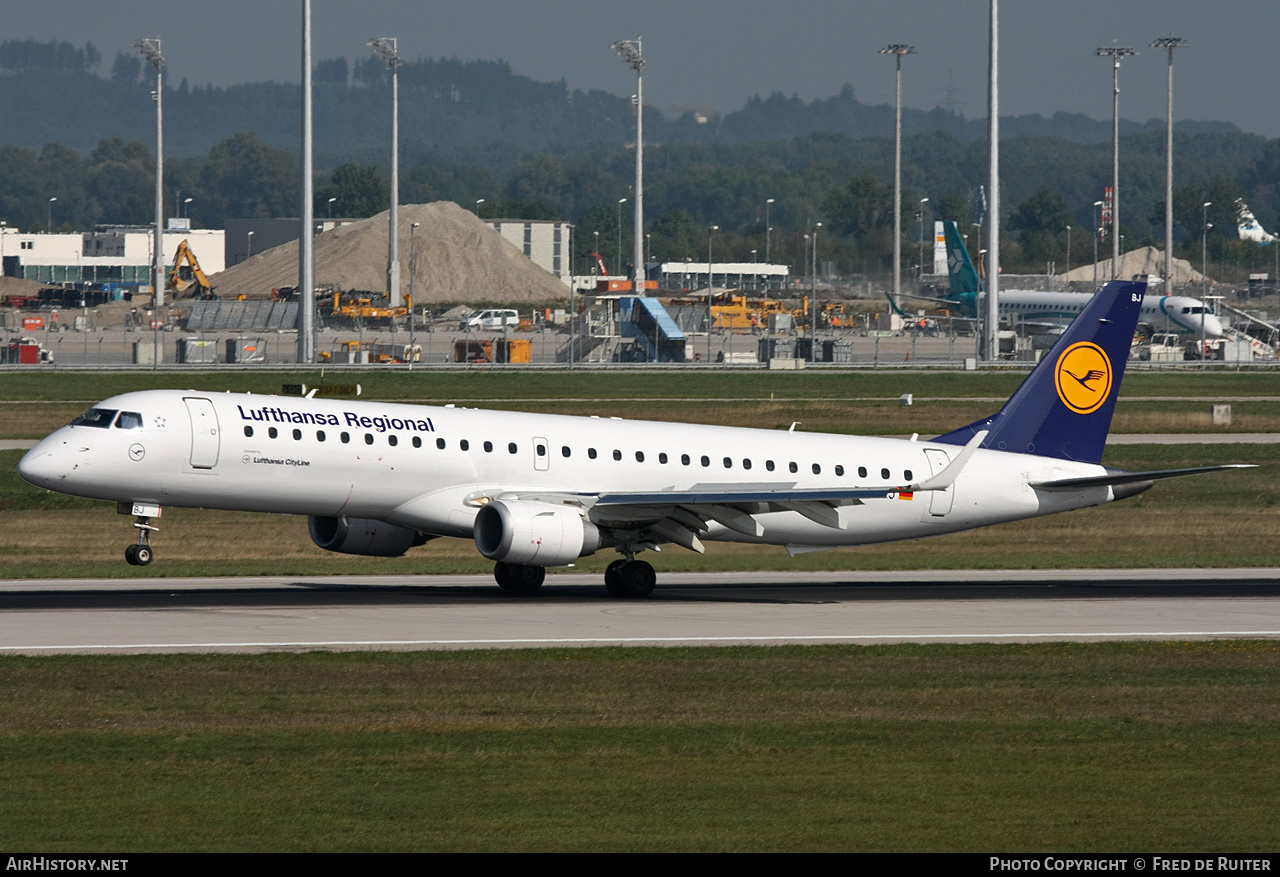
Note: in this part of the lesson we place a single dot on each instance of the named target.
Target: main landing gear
(630, 578)
(519, 579)
(139, 554)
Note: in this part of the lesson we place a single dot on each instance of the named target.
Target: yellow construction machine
(186, 274)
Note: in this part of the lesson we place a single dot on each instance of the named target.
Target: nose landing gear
(140, 554)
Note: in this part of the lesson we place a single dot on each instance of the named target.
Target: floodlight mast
(150, 50)
(1115, 53)
(306, 234)
(897, 50)
(1170, 42)
(385, 47)
(991, 322)
(631, 54)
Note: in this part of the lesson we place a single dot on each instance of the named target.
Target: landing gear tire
(519, 579)
(632, 579)
(611, 581)
(138, 555)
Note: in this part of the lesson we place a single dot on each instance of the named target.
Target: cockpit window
(96, 417)
(129, 420)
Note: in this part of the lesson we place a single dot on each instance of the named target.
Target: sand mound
(459, 259)
(1144, 260)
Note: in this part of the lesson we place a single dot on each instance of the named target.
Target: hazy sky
(719, 52)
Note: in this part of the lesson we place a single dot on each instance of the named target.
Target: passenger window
(639, 456)
(129, 420)
(417, 441)
(248, 432)
(884, 473)
(392, 440)
(746, 464)
(662, 458)
(768, 464)
(540, 450)
(368, 438)
(907, 474)
(511, 447)
(728, 463)
(862, 471)
(565, 452)
(297, 435)
(793, 467)
(488, 447)
(617, 454)
(346, 437)
(591, 453)
(706, 461)
(319, 435)
(839, 471)
(440, 443)
(684, 459)
(272, 432)
(817, 470)
(465, 445)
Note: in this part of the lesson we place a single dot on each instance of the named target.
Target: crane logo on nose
(1083, 377)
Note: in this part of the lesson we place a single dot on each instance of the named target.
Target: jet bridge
(647, 321)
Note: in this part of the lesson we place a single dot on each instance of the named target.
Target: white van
(493, 320)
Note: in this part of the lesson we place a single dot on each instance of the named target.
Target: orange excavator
(187, 276)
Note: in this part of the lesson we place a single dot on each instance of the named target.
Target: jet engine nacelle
(534, 533)
(363, 536)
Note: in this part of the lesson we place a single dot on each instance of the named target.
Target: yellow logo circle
(1083, 377)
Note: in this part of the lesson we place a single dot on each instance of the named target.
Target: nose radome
(40, 465)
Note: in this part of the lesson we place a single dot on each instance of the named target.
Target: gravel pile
(459, 259)
(1144, 261)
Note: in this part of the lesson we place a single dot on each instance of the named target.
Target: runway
(233, 614)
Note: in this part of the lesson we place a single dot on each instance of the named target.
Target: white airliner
(539, 490)
(1054, 311)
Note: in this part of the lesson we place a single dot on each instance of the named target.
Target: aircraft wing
(681, 516)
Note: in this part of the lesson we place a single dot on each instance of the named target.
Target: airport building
(544, 242)
(119, 256)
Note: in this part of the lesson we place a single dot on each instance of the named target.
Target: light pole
(1170, 42)
(920, 217)
(897, 50)
(331, 200)
(710, 322)
(1115, 53)
(479, 201)
(618, 267)
(1097, 230)
(755, 272)
(49, 224)
(385, 47)
(307, 208)
(150, 50)
(630, 52)
(813, 321)
(1068, 271)
(768, 230)
(248, 245)
(413, 270)
(1204, 246)
(186, 211)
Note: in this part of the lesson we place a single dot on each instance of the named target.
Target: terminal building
(117, 257)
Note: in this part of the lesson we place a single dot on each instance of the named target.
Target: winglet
(951, 471)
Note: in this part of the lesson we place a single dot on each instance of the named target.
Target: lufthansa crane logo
(1083, 377)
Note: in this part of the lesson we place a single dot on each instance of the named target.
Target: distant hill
(443, 103)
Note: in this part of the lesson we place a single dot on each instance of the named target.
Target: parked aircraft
(540, 490)
(1054, 311)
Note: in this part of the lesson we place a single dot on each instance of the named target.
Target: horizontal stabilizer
(1116, 478)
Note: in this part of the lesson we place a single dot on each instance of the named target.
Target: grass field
(1054, 748)
(1057, 747)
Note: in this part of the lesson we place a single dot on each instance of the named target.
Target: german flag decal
(905, 495)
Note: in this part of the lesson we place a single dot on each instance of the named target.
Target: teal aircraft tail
(965, 283)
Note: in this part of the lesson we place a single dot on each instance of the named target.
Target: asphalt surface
(153, 615)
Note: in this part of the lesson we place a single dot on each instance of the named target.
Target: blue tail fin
(960, 271)
(1063, 409)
